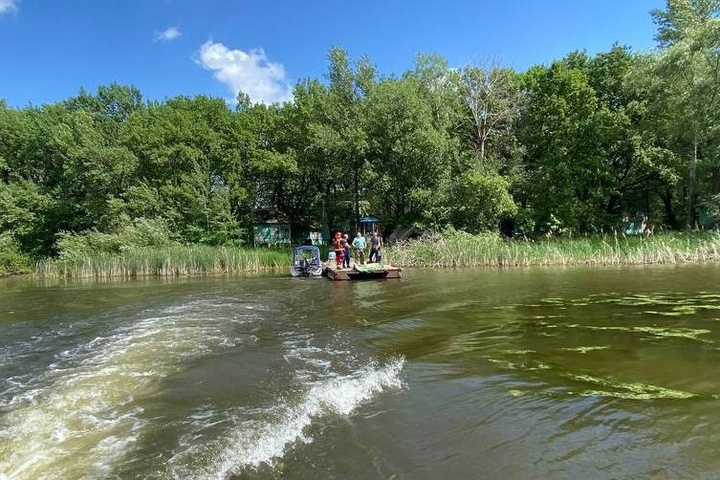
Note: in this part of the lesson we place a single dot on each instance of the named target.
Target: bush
(140, 233)
(12, 261)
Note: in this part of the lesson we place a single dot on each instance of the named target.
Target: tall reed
(459, 249)
(434, 250)
(176, 260)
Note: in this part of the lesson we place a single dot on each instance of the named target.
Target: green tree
(93, 172)
(561, 130)
(270, 163)
(639, 169)
(492, 100)
(485, 201)
(339, 133)
(190, 166)
(408, 154)
(689, 65)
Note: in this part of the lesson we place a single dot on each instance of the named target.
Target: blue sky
(52, 48)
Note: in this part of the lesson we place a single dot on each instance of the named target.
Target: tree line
(574, 147)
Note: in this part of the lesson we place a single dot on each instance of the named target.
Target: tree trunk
(690, 200)
(357, 199)
(613, 204)
(669, 211)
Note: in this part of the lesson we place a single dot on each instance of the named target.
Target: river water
(515, 373)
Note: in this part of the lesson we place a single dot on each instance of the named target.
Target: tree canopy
(574, 147)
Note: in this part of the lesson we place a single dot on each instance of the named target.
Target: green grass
(464, 250)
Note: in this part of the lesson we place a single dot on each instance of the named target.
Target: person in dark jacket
(375, 246)
(346, 251)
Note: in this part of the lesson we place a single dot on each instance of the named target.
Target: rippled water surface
(538, 373)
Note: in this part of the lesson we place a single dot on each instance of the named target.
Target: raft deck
(364, 272)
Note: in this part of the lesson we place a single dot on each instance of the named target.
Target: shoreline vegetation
(433, 250)
(557, 157)
(166, 261)
(486, 250)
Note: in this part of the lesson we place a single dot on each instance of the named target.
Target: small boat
(306, 262)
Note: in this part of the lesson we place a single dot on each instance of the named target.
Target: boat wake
(80, 417)
(85, 411)
(251, 443)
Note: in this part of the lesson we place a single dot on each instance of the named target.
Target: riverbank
(454, 250)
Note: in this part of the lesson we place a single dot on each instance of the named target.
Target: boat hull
(300, 272)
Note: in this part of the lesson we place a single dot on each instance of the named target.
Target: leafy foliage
(571, 148)
(140, 233)
(12, 260)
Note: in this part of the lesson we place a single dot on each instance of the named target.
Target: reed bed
(463, 250)
(433, 250)
(170, 261)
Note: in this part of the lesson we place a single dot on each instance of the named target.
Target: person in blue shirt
(359, 246)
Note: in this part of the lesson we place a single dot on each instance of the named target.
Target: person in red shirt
(338, 248)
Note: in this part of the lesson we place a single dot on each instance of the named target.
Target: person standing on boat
(346, 251)
(359, 245)
(375, 245)
(338, 249)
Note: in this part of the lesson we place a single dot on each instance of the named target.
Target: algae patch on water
(631, 391)
(527, 365)
(519, 352)
(660, 332)
(680, 310)
(680, 304)
(586, 349)
(516, 393)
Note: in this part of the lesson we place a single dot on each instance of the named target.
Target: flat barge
(372, 271)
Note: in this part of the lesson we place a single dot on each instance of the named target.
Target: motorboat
(306, 261)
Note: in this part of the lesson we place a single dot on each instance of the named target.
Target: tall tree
(408, 153)
(689, 35)
(339, 134)
(638, 166)
(492, 100)
(561, 129)
(190, 160)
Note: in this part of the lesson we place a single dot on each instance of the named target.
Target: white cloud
(167, 35)
(251, 72)
(8, 6)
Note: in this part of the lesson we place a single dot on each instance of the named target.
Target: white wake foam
(80, 417)
(253, 442)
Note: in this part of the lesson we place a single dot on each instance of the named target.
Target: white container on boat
(331, 256)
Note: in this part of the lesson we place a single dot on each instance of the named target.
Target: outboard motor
(305, 267)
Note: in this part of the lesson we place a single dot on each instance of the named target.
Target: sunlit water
(537, 373)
